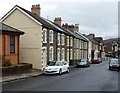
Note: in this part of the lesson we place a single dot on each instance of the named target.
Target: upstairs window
(62, 54)
(67, 40)
(58, 39)
(12, 44)
(58, 54)
(44, 36)
(62, 39)
(51, 36)
(71, 41)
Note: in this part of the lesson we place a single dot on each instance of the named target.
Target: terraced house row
(45, 40)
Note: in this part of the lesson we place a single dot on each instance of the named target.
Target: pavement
(25, 75)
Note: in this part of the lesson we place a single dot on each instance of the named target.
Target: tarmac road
(97, 77)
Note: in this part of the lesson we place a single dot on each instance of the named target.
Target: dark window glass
(12, 44)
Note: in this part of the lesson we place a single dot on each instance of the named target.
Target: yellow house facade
(30, 49)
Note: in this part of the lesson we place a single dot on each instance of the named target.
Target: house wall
(31, 42)
(89, 50)
(5, 48)
(57, 48)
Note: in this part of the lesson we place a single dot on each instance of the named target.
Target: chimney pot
(58, 20)
(36, 9)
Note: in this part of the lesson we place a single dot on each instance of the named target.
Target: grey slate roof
(81, 36)
(94, 40)
(45, 23)
(6, 28)
(51, 25)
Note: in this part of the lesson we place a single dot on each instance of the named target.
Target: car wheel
(77, 66)
(60, 71)
(109, 68)
(89, 65)
(67, 70)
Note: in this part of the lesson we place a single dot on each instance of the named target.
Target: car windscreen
(114, 62)
(82, 60)
(51, 63)
(58, 63)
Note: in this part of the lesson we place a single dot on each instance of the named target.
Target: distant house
(44, 40)
(9, 38)
(95, 47)
(80, 46)
(112, 46)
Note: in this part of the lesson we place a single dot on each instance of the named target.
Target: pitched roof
(6, 28)
(45, 22)
(82, 36)
(93, 40)
(49, 24)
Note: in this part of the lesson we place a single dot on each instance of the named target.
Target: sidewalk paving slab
(14, 77)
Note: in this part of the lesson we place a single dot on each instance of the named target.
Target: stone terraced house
(45, 40)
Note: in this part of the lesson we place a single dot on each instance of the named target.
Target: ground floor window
(71, 54)
(51, 53)
(12, 44)
(67, 55)
(58, 54)
(62, 54)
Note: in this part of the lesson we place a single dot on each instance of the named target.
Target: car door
(65, 66)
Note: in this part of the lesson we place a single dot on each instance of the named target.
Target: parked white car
(56, 67)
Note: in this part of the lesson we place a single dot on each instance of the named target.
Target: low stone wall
(23, 67)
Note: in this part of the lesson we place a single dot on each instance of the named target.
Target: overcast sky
(93, 16)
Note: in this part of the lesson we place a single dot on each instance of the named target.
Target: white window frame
(67, 40)
(51, 36)
(67, 55)
(71, 54)
(51, 57)
(63, 39)
(71, 41)
(45, 35)
(80, 44)
(77, 54)
(77, 43)
(58, 39)
(58, 54)
(62, 54)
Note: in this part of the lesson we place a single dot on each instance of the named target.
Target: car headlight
(117, 65)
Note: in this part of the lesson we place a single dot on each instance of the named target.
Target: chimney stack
(72, 27)
(36, 9)
(91, 36)
(66, 26)
(77, 27)
(58, 21)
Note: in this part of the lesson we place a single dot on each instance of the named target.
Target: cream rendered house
(31, 43)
